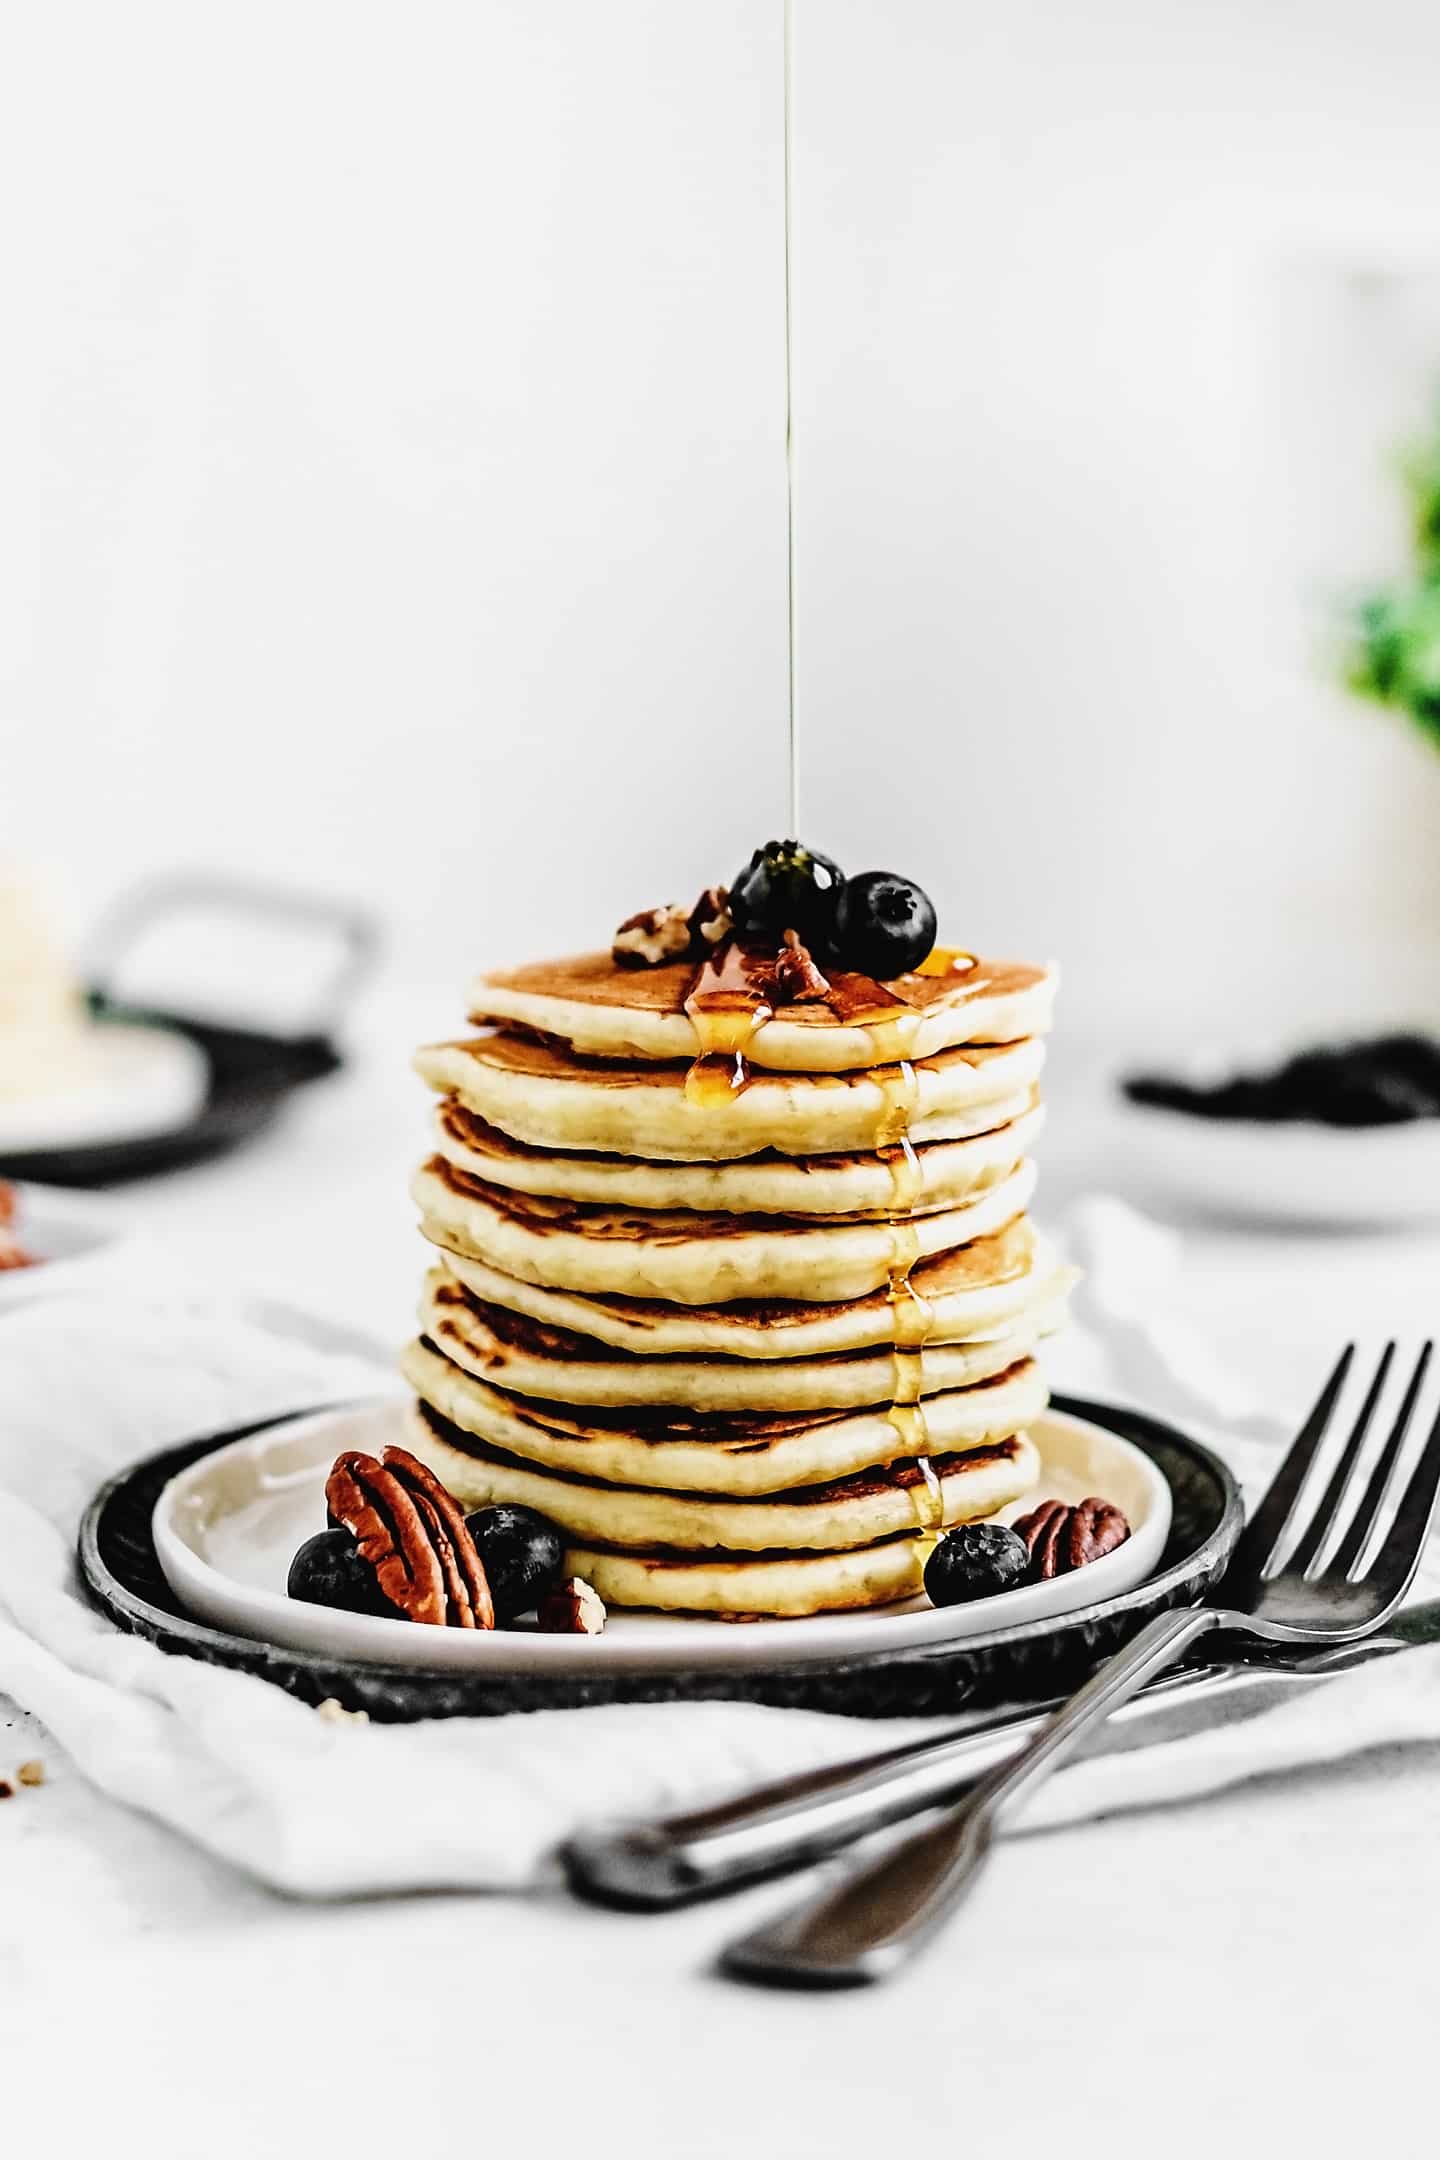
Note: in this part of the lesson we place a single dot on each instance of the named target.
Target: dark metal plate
(123, 1575)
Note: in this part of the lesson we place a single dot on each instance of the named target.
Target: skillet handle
(159, 899)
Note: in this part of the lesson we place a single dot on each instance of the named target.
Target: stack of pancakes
(740, 1294)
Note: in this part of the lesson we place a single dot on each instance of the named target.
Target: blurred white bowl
(1295, 1172)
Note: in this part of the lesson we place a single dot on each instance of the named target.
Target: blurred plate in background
(1284, 1171)
(137, 1081)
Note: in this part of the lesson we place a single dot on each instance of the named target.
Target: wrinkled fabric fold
(91, 1382)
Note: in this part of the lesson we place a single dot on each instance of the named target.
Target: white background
(393, 493)
(391, 501)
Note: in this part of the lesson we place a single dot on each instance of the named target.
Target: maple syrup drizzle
(945, 960)
(900, 1092)
(728, 1005)
(928, 1501)
(906, 1182)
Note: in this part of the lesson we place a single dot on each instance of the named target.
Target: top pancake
(604, 1010)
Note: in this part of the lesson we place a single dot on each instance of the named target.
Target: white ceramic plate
(227, 1528)
(141, 1080)
(61, 1231)
(1288, 1173)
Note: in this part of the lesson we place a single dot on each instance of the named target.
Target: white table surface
(1197, 1980)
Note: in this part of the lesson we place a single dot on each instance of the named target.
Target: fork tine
(1271, 1519)
(1399, 1555)
(1324, 1517)
(1367, 1513)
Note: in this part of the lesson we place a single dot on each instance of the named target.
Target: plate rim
(930, 1676)
(190, 1573)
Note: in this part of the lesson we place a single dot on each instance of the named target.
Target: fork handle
(879, 1913)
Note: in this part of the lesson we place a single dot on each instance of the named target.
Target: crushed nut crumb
(335, 1713)
(31, 1773)
(651, 938)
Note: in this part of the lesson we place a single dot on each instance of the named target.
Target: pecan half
(797, 979)
(472, 1591)
(1062, 1538)
(412, 1533)
(651, 938)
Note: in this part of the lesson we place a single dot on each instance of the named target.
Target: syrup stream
(729, 1003)
(790, 601)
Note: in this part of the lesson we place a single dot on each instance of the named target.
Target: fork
(867, 1924)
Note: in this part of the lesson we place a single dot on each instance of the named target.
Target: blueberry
(883, 925)
(974, 1562)
(328, 1570)
(522, 1555)
(786, 886)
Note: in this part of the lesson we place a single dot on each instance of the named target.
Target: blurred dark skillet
(251, 1073)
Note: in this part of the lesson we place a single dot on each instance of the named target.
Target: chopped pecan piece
(652, 937)
(797, 979)
(572, 1608)
(1062, 1538)
(710, 922)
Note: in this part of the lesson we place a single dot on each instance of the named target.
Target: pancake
(689, 1258)
(608, 1011)
(773, 1586)
(716, 1453)
(552, 1364)
(944, 1173)
(543, 1095)
(968, 1292)
(834, 1515)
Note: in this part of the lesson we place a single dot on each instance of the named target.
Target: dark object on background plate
(252, 1073)
(1389, 1080)
(124, 1577)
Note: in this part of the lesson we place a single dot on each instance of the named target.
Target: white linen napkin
(324, 1809)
